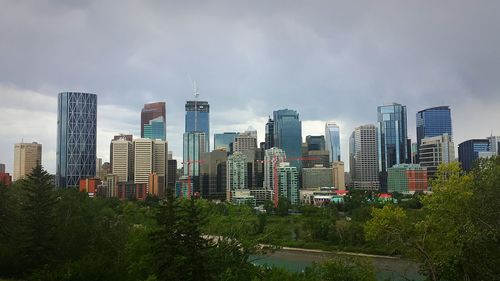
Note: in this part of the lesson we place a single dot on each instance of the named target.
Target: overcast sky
(329, 60)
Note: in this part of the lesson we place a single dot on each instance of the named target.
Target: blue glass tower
(225, 140)
(392, 139)
(432, 122)
(332, 135)
(288, 134)
(197, 119)
(76, 138)
(468, 151)
(153, 121)
(315, 143)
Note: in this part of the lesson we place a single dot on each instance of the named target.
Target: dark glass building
(269, 133)
(288, 134)
(153, 121)
(468, 151)
(392, 139)
(315, 143)
(225, 141)
(197, 119)
(76, 138)
(433, 122)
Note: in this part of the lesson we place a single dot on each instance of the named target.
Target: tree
(38, 221)
(283, 206)
(341, 270)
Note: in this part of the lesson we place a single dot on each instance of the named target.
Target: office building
(433, 122)
(143, 160)
(171, 175)
(269, 138)
(435, 151)
(494, 146)
(468, 152)
(272, 159)
(407, 178)
(338, 175)
(392, 139)
(122, 161)
(315, 143)
(5, 178)
(212, 178)
(76, 138)
(317, 176)
(153, 121)
(332, 136)
(363, 159)
(288, 183)
(26, 157)
(236, 176)
(225, 141)
(160, 168)
(111, 186)
(288, 135)
(2, 168)
(193, 145)
(197, 119)
(245, 141)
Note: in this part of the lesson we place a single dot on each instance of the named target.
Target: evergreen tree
(37, 221)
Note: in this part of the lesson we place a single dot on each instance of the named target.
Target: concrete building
(435, 151)
(26, 157)
(2, 168)
(236, 176)
(122, 161)
(6, 179)
(338, 175)
(244, 142)
(160, 166)
(317, 176)
(143, 160)
(288, 177)
(363, 158)
(407, 178)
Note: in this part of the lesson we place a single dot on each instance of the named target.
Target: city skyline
(320, 60)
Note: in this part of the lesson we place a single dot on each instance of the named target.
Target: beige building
(122, 161)
(244, 142)
(26, 157)
(338, 175)
(150, 157)
(317, 176)
(143, 160)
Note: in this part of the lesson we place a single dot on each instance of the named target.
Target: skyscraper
(288, 134)
(197, 119)
(194, 145)
(432, 122)
(392, 139)
(122, 162)
(468, 151)
(315, 143)
(363, 158)
(288, 183)
(153, 121)
(26, 157)
(76, 138)
(224, 140)
(332, 135)
(269, 134)
(244, 142)
(435, 151)
(236, 174)
(143, 160)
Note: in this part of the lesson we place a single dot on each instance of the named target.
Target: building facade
(26, 157)
(364, 171)
(122, 161)
(143, 160)
(468, 152)
(318, 176)
(338, 175)
(236, 176)
(198, 119)
(76, 138)
(288, 134)
(392, 139)
(269, 139)
(153, 121)
(225, 141)
(244, 142)
(193, 145)
(435, 151)
(288, 184)
(407, 178)
(432, 122)
(332, 140)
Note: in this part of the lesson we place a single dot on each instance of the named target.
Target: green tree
(341, 270)
(283, 206)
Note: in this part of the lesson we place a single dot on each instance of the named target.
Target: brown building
(152, 115)
(89, 186)
(6, 179)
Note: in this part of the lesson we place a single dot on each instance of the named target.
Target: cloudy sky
(329, 60)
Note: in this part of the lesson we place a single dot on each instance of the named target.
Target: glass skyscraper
(433, 122)
(197, 119)
(468, 151)
(153, 121)
(332, 135)
(288, 134)
(225, 140)
(315, 143)
(392, 139)
(76, 138)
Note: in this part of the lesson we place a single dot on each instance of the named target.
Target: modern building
(315, 143)
(76, 138)
(363, 160)
(244, 142)
(212, 178)
(288, 177)
(225, 141)
(171, 175)
(392, 139)
(143, 160)
(338, 175)
(468, 152)
(5, 178)
(2, 168)
(288, 134)
(269, 139)
(153, 121)
(433, 122)
(26, 157)
(193, 145)
(407, 178)
(236, 176)
(160, 167)
(111, 186)
(494, 144)
(317, 176)
(122, 161)
(332, 135)
(435, 151)
(197, 119)
(272, 159)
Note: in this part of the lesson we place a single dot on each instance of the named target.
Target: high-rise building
(2, 168)
(392, 139)
(363, 158)
(194, 145)
(153, 121)
(143, 160)
(468, 152)
(197, 119)
(288, 183)
(288, 134)
(212, 179)
(338, 175)
(160, 166)
(76, 138)
(332, 135)
(407, 178)
(236, 174)
(225, 141)
(269, 140)
(26, 157)
(244, 142)
(5, 178)
(494, 144)
(435, 151)
(171, 175)
(315, 143)
(122, 161)
(432, 122)
(317, 176)
(272, 159)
